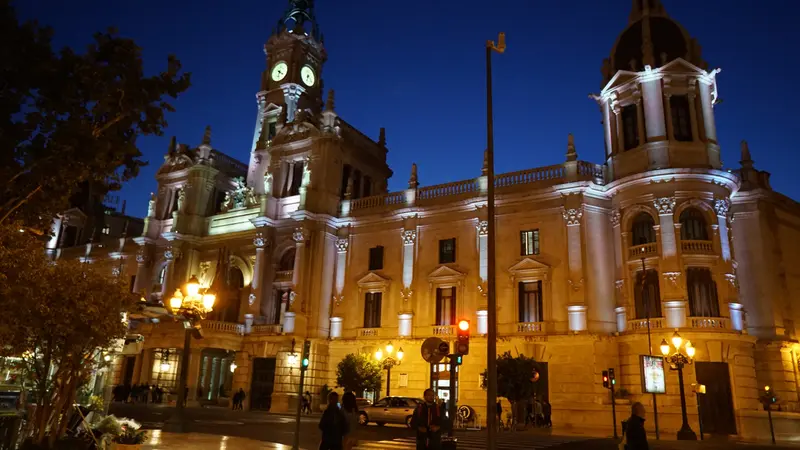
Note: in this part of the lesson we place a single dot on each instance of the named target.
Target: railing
(530, 327)
(444, 190)
(641, 324)
(697, 247)
(275, 329)
(284, 275)
(368, 332)
(638, 251)
(710, 323)
(555, 172)
(595, 171)
(228, 165)
(444, 330)
(223, 327)
(390, 199)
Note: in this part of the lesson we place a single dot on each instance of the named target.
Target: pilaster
(708, 110)
(572, 218)
(256, 299)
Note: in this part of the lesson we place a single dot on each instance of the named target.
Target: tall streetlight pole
(649, 343)
(677, 360)
(491, 339)
(389, 362)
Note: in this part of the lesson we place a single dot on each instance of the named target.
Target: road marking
(219, 422)
(476, 442)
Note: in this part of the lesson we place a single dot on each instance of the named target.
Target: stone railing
(635, 325)
(284, 275)
(448, 189)
(710, 323)
(697, 247)
(368, 332)
(595, 172)
(530, 327)
(637, 251)
(548, 173)
(275, 329)
(444, 330)
(222, 327)
(376, 201)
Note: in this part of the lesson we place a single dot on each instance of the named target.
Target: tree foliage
(515, 377)
(70, 118)
(358, 373)
(58, 315)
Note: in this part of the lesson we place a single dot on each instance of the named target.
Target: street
(279, 429)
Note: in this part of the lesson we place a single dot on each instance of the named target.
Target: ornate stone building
(312, 246)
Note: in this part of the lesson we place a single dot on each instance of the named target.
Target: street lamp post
(389, 362)
(676, 361)
(649, 342)
(190, 308)
(491, 338)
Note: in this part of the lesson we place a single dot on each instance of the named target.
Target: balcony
(697, 247)
(282, 276)
(443, 330)
(643, 250)
(267, 330)
(368, 332)
(640, 325)
(710, 323)
(530, 328)
(222, 327)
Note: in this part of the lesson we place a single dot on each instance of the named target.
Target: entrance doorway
(262, 384)
(716, 406)
(130, 363)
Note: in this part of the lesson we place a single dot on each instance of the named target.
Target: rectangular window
(630, 127)
(446, 306)
(529, 242)
(681, 120)
(367, 186)
(273, 130)
(347, 170)
(530, 302)
(356, 185)
(647, 295)
(376, 258)
(297, 177)
(447, 251)
(372, 309)
(165, 368)
(702, 289)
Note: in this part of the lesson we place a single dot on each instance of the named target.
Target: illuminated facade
(312, 246)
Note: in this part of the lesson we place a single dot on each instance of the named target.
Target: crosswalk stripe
(476, 442)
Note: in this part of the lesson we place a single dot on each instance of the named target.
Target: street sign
(444, 348)
(430, 350)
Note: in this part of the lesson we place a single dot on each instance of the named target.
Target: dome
(651, 38)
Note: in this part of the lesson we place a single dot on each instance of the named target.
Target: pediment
(680, 65)
(301, 128)
(372, 282)
(445, 274)
(272, 107)
(620, 78)
(529, 269)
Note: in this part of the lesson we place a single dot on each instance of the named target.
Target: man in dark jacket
(333, 425)
(635, 435)
(428, 420)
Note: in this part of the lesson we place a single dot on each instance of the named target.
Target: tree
(515, 378)
(358, 373)
(70, 119)
(58, 316)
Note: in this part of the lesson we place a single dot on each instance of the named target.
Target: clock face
(307, 75)
(279, 71)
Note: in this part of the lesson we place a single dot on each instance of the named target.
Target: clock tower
(295, 55)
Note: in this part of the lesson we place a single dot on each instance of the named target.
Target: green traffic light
(305, 362)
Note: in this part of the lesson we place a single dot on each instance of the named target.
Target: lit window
(447, 251)
(106, 230)
(529, 242)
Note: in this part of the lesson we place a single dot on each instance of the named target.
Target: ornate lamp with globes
(676, 360)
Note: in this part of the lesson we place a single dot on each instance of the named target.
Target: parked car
(362, 403)
(389, 410)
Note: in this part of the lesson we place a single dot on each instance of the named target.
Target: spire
(382, 137)
(329, 104)
(173, 145)
(298, 13)
(646, 8)
(747, 160)
(485, 168)
(572, 155)
(412, 180)
(207, 135)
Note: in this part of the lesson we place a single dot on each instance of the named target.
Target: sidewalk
(196, 441)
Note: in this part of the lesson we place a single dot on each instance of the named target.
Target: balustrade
(368, 332)
(275, 329)
(710, 323)
(284, 275)
(444, 330)
(444, 190)
(636, 252)
(697, 247)
(530, 327)
(392, 198)
(555, 172)
(656, 323)
(222, 327)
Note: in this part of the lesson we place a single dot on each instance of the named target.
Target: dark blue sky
(416, 67)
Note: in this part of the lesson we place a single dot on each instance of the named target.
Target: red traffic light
(462, 343)
(463, 325)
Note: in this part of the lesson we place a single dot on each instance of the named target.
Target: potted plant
(121, 434)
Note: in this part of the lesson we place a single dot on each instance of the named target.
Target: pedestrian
(350, 410)
(634, 436)
(242, 396)
(427, 421)
(333, 425)
(547, 409)
(307, 403)
(235, 401)
(499, 412)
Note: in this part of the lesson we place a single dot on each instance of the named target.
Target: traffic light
(611, 377)
(462, 344)
(306, 354)
(605, 379)
(457, 359)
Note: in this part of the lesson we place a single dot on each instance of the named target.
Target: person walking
(547, 409)
(427, 421)
(350, 410)
(634, 436)
(333, 425)
(307, 402)
(235, 401)
(242, 396)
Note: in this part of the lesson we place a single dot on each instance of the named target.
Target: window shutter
(522, 250)
(454, 249)
(438, 306)
(521, 302)
(453, 306)
(367, 308)
(378, 301)
(540, 301)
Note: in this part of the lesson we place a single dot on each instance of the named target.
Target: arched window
(647, 297)
(642, 229)
(693, 225)
(287, 260)
(235, 278)
(702, 290)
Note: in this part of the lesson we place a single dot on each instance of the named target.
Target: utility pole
(303, 366)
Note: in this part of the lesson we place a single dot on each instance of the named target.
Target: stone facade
(315, 242)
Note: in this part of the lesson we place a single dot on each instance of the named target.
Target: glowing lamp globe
(677, 340)
(164, 366)
(378, 354)
(208, 301)
(176, 301)
(193, 286)
(400, 353)
(664, 347)
(690, 350)
(389, 349)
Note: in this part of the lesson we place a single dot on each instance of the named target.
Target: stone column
(692, 112)
(141, 284)
(666, 207)
(146, 366)
(577, 318)
(137, 369)
(608, 129)
(572, 217)
(653, 109)
(409, 236)
(296, 311)
(338, 289)
(618, 128)
(721, 206)
(640, 121)
(622, 319)
(708, 110)
(170, 254)
(205, 380)
(257, 284)
(670, 129)
(195, 358)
